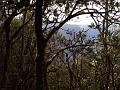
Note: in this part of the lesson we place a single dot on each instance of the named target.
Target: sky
(81, 20)
(87, 19)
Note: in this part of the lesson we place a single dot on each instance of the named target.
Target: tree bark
(41, 69)
(6, 57)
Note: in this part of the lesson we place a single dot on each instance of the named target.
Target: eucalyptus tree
(9, 10)
(50, 16)
(58, 18)
(55, 16)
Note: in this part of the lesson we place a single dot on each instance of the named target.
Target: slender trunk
(107, 56)
(20, 64)
(41, 69)
(113, 80)
(7, 54)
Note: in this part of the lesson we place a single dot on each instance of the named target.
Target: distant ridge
(76, 28)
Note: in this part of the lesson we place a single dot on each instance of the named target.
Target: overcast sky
(81, 20)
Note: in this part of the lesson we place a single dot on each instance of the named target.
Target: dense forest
(35, 55)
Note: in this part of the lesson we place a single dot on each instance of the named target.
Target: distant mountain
(76, 28)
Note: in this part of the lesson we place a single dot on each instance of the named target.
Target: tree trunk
(6, 57)
(41, 69)
(107, 56)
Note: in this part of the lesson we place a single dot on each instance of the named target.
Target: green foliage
(73, 60)
(16, 23)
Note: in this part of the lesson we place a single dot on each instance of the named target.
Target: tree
(50, 16)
